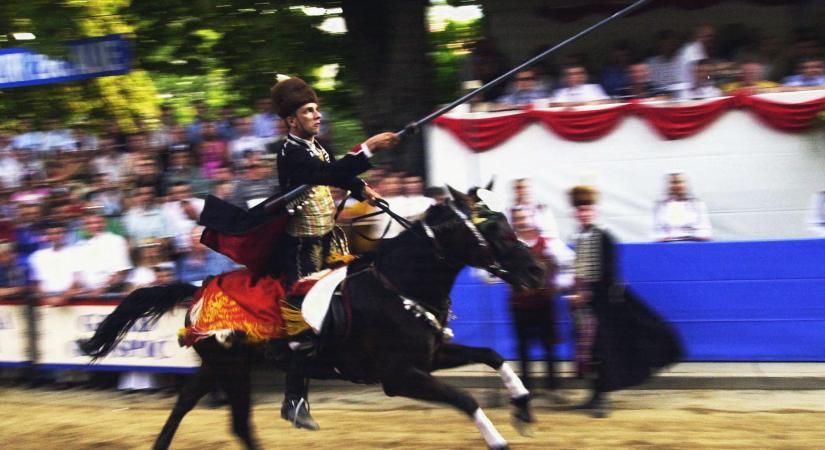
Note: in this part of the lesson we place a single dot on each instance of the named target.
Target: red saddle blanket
(241, 302)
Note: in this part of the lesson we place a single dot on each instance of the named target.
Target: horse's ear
(459, 197)
(489, 186)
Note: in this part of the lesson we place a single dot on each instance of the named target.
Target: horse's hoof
(523, 428)
(521, 411)
(500, 447)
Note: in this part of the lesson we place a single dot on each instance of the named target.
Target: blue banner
(88, 58)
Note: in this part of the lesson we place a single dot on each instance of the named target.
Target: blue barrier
(729, 301)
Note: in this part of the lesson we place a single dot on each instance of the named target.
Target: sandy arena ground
(361, 418)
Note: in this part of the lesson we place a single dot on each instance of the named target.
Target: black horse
(399, 302)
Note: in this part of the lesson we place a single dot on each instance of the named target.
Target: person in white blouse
(680, 216)
(577, 91)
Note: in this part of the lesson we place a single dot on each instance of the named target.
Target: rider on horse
(310, 237)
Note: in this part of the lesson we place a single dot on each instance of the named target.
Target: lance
(297, 193)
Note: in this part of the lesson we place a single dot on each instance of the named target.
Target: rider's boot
(295, 407)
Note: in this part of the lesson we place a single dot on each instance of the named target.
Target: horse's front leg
(456, 355)
(418, 384)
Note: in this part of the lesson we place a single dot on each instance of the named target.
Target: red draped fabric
(683, 121)
(671, 122)
(791, 117)
(484, 134)
(581, 126)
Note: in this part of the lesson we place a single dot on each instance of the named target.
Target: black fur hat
(583, 195)
(290, 94)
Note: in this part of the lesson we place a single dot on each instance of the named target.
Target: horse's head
(469, 231)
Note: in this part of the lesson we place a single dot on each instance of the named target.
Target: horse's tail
(151, 302)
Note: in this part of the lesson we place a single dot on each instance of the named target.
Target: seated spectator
(11, 169)
(577, 91)
(264, 122)
(615, 75)
(102, 260)
(702, 86)
(437, 193)
(149, 255)
(106, 194)
(213, 151)
(664, 67)
(525, 90)
(257, 184)
(680, 216)
(226, 124)
(816, 215)
(181, 212)
(201, 262)
(144, 219)
(751, 80)
(415, 202)
(13, 273)
(245, 140)
(194, 131)
(54, 269)
(109, 161)
(28, 233)
(810, 74)
(639, 85)
(180, 170)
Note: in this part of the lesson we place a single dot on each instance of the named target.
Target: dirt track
(363, 418)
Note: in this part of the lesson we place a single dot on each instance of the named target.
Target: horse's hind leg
(193, 391)
(418, 384)
(455, 355)
(237, 385)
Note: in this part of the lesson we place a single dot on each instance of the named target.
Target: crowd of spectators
(693, 68)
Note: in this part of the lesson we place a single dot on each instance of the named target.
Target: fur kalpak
(290, 94)
(583, 195)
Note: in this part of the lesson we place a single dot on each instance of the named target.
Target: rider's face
(306, 122)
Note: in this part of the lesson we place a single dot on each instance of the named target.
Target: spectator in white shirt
(696, 50)
(181, 212)
(702, 86)
(144, 219)
(102, 259)
(11, 170)
(54, 269)
(577, 91)
(680, 216)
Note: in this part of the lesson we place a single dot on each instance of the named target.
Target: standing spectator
(194, 131)
(816, 215)
(702, 85)
(664, 67)
(680, 216)
(751, 80)
(245, 140)
(213, 151)
(54, 269)
(102, 259)
(201, 262)
(13, 273)
(618, 339)
(181, 212)
(533, 310)
(577, 91)
(810, 74)
(697, 50)
(264, 121)
(526, 90)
